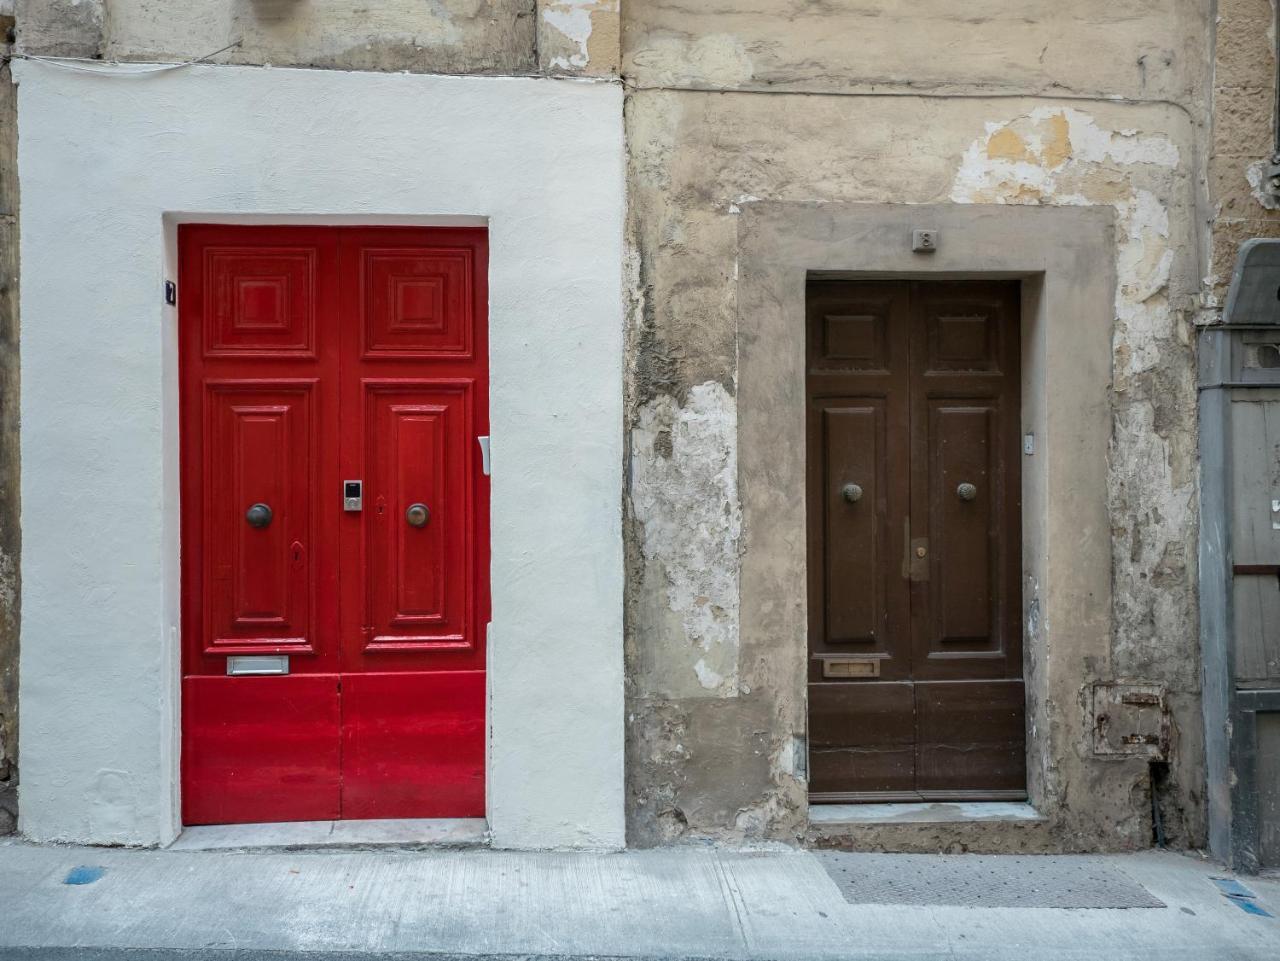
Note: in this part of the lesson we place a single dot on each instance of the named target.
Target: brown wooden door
(914, 531)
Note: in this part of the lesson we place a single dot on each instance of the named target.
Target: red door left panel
(258, 383)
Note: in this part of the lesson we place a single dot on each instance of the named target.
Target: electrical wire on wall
(116, 68)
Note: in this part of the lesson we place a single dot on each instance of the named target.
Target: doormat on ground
(983, 881)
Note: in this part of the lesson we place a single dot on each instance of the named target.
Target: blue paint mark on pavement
(1249, 906)
(1240, 896)
(1232, 888)
(84, 875)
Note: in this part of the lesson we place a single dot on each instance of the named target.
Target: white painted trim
(109, 166)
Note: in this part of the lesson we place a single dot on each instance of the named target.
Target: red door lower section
(335, 522)
(260, 749)
(413, 745)
(298, 749)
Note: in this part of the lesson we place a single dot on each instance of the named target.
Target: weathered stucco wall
(1241, 143)
(1140, 49)
(714, 746)
(518, 37)
(851, 101)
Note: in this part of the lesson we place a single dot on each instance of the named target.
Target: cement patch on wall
(109, 165)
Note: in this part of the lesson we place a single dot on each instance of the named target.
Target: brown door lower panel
(922, 741)
(969, 738)
(864, 744)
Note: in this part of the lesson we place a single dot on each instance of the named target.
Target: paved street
(683, 902)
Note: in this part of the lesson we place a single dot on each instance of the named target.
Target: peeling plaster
(575, 21)
(1038, 158)
(8, 582)
(1256, 174)
(1063, 156)
(685, 499)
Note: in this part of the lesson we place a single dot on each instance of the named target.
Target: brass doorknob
(852, 493)
(966, 492)
(259, 515)
(417, 515)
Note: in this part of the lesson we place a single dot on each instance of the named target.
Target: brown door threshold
(909, 797)
(832, 816)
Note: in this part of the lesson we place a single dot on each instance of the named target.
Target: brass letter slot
(851, 667)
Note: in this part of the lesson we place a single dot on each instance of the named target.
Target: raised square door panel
(965, 333)
(853, 329)
(856, 592)
(259, 300)
(416, 301)
(258, 480)
(964, 497)
(418, 469)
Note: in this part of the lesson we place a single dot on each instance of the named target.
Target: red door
(335, 553)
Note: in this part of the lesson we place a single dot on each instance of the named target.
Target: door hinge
(484, 454)
(170, 293)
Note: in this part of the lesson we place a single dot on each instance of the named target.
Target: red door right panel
(415, 578)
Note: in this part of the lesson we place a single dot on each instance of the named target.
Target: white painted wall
(108, 165)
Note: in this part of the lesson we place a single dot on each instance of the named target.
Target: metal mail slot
(851, 667)
(258, 664)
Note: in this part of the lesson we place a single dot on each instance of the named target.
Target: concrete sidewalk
(686, 902)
